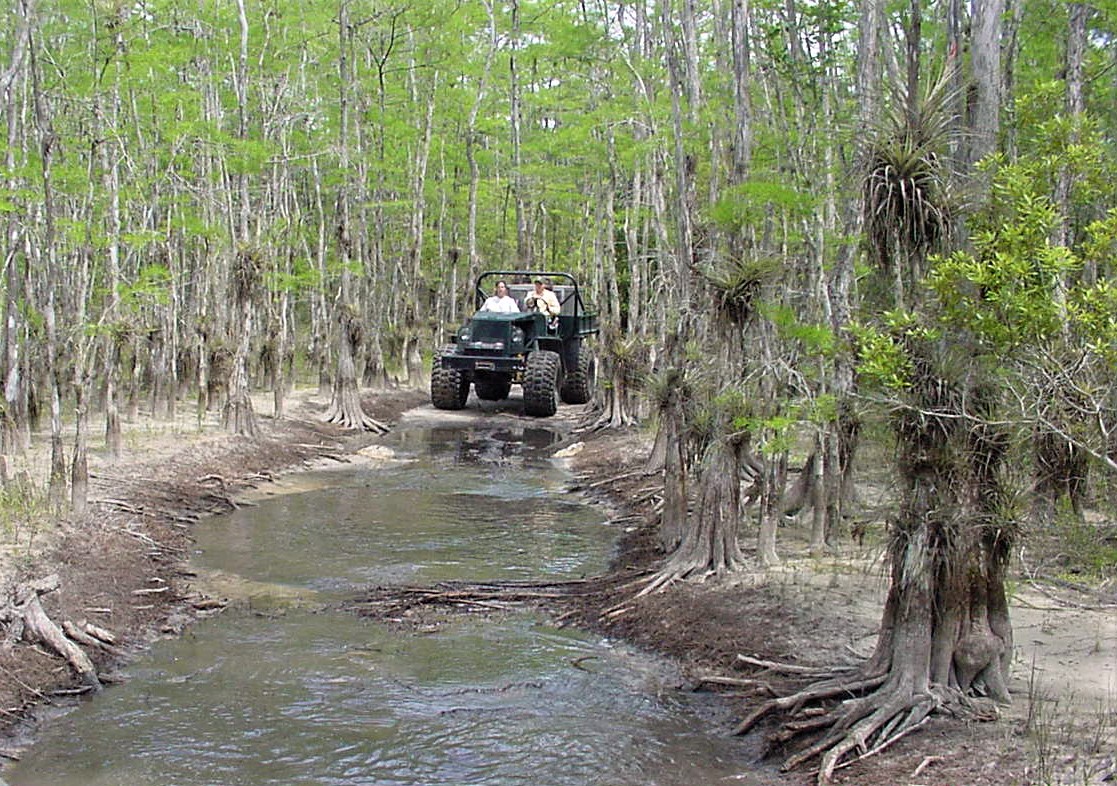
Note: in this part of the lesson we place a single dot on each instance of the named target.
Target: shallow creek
(283, 688)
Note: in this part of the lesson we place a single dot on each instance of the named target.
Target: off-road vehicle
(547, 356)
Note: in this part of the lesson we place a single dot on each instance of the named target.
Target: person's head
(501, 288)
(538, 285)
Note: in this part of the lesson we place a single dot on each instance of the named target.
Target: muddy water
(285, 689)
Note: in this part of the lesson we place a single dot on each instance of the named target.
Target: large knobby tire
(492, 389)
(577, 387)
(449, 387)
(541, 384)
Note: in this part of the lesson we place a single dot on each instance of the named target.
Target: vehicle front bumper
(497, 364)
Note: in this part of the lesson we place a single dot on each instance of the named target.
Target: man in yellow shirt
(542, 300)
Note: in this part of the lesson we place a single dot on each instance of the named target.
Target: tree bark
(345, 407)
(986, 64)
(524, 255)
(247, 270)
(14, 430)
(79, 469)
(239, 415)
(709, 543)
(673, 520)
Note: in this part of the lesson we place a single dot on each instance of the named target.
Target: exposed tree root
(358, 422)
(826, 689)
(708, 538)
(856, 715)
(346, 411)
(785, 668)
(345, 405)
(879, 722)
(676, 570)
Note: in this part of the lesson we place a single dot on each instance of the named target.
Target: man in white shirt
(501, 302)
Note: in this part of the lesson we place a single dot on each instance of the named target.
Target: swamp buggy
(547, 356)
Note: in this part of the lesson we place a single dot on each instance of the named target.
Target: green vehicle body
(547, 356)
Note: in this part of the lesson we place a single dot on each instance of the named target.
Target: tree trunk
(114, 437)
(203, 368)
(620, 358)
(523, 242)
(771, 480)
(15, 432)
(345, 407)
(709, 544)
(112, 342)
(945, 629)
(79, 470)
(245, 282)
(239, 416)
(820, 525)
(986, 63)
(282, 360)
(42, 628)
(472, 254)
(47, 141)
(673, 520)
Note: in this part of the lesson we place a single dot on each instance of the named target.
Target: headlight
(464, 334)
(517, 336)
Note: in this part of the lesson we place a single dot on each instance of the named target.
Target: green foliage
(1002, 292)
(907, 204)
(727, 410)
(736, 284)
(1086, 550)
(1011, 291)
(1092, 310)
(751, 203)
(820, 409)
(151, 285)
(302, 277)
(882, 356)
(815, 339)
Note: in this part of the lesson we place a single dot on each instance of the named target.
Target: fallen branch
(39, 626)
(22, 684)
(97, 632)
(785, 668)
(150, 590)
(81, 637)
(616, 478)
(1070, 603)
(757, 686)
(923, 764)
